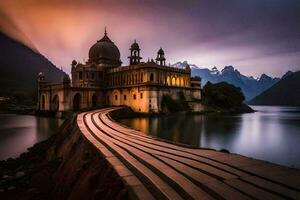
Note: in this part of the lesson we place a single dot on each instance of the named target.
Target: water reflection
(18, 132)
(272, 133)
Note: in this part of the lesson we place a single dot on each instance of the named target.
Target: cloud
(207, 33)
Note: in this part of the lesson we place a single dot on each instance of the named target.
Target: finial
(134, 40)
(105, 33)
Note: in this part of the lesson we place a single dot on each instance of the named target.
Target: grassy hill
(286, 92)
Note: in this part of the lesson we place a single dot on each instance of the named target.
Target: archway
(43, 100)
(177, 81)
(94, 100)
(55, 103)
(173, 81)
(77, 102)
(168, 80)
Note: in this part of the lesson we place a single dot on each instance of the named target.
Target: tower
(134, 57)
(41, 82)
(160, 59)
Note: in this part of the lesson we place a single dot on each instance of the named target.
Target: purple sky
(256, 36)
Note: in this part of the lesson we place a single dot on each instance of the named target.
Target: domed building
(105, 53)
(103, 81)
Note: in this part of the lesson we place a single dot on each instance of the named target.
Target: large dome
(105, 52)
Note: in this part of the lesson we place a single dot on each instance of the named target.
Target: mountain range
(249, 85)
(19, 67)
(286, 92)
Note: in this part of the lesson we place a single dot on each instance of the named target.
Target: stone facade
(102, 81)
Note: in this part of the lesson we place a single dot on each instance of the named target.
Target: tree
(223, 95)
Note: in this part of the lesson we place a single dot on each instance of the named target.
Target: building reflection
(180, 128)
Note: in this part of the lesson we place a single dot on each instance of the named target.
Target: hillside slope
(286, 92)
(19, 66)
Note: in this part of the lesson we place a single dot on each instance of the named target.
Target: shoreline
(66, 153)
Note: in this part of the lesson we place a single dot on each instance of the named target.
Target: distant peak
(264, 76)
(230, 67)
(288, 73)
(214, 68)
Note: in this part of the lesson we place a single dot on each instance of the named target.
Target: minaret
(41, 82)
(134, 57)
(160, 59)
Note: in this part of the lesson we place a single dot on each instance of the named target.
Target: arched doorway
(43, 103)
(77, 102)
(55, 103)
(94, 100)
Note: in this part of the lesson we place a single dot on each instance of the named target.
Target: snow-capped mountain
(250, 86)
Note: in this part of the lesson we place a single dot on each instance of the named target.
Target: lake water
(18, 132)
(272, 133)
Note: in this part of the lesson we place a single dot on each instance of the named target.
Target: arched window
(94, 100)
(151, 77)
(80, 75)
(55, 103)
(77, 102)
(142, 77)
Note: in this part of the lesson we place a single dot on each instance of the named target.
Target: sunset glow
(255, 36)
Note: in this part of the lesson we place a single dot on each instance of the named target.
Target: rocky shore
(66, 166)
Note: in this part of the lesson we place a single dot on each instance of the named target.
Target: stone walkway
(154, 169)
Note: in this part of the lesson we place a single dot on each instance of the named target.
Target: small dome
(161, 51)
(105, 52)
(135, 46)
(74, 62)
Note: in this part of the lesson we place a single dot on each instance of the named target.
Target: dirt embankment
(66, 166)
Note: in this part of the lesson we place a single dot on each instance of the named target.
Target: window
(80, 75)
(125, 97)
(142, 77)
(87, 75)
(141, 95)
(93, 75)
(134, 96)
(151, 77)
(116, 97)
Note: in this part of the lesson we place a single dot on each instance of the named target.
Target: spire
(105, 38)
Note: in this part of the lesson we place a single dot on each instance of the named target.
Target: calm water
(272, 133)
(18, 132)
